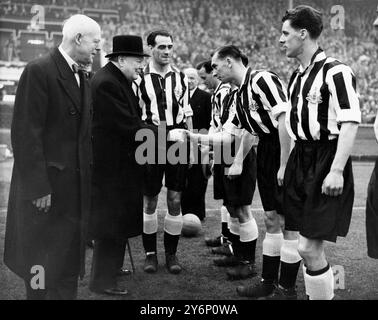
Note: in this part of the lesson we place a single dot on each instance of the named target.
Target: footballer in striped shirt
(164, 99)
(261, 105)
(323, 117)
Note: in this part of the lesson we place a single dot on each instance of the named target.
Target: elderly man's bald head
(81, 38)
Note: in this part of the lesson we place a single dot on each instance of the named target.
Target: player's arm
(273, 94)
(285, 145)
(247, 141)
(342, 85)
(334, 182)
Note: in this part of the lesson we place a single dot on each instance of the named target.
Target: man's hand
(43, 204)
(333, 184)
(280, 175)
(235, 170)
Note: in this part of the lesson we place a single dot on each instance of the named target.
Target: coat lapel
(67, 79)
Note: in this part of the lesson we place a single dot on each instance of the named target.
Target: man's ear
(229, 62)
(78, 38)
(303, 34)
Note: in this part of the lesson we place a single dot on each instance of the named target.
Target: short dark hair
(233, 52)
(206, 65)
(305, 17)
(152, 36)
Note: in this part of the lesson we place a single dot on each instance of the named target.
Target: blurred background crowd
(201, 26)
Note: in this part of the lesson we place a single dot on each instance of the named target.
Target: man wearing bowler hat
(117, 198)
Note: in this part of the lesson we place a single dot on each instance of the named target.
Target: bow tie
(77, 69)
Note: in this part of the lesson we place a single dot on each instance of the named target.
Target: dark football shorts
(174, 174)
(268, 164)
(307, 210)
(239, 191)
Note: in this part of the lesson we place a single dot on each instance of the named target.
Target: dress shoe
(151, 263)
(222, 250)
(244, 270)
(123, 272)
(172, 263)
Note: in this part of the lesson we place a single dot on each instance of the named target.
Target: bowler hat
(127, 45)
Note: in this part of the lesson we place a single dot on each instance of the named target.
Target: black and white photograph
(189, 157)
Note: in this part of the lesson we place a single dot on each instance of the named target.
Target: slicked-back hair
(233, 52)
(206, 65)
(305, 17)
(152, 36)
(229, 51)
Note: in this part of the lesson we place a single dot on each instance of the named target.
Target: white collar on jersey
(319, 55)
(151, 69)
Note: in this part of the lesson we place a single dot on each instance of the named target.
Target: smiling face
(87, 46)
(291, 40)
(221, 68)
(131, 66)
(162, 50)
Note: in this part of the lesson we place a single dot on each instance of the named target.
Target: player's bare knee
(272, 221)
(174, 202)
(150, 204)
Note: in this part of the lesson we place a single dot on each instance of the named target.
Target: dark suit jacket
(52, 153)
(201, 105)
(117, 211)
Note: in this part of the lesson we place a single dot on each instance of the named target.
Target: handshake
(179, 135)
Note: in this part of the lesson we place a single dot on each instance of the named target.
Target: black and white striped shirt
(321, 97)
(260, 100)
(164, 98)
(217, 98)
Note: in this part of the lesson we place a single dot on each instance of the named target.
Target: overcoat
(117, 198)
(51, 142)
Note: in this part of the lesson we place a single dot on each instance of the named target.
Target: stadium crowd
(254, 26)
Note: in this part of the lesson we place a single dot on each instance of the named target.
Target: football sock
(304, 268)
(248, 237)
(320, 284)
(271, 256)
(172, 231)
(150, 226)
(224, 219)
(290, 262)
(234, 235)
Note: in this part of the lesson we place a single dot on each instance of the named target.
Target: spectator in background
(193, 195)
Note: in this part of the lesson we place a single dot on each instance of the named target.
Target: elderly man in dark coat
(117, 212)
(50, 189)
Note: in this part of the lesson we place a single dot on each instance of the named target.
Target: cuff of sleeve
(188, 111)
(278, 109)
(232, 129)
(348, 115)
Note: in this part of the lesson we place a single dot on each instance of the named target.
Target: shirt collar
(245, 78)
(191, 92)
(151, 69)
(319, 55)
(69, 60)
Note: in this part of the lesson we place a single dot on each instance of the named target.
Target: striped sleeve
(343, 93)
(216, 110)
(233, 124)
(188, 112)
(271, 91)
